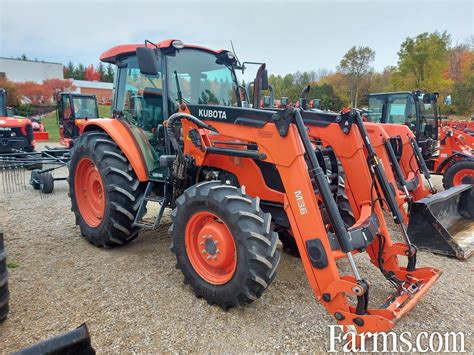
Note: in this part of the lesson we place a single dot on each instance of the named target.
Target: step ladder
(149, 197)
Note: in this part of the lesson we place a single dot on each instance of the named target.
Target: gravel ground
(133, 299)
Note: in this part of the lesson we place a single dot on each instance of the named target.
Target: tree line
(427, 62)
(98, 73)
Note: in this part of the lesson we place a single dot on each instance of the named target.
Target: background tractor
(16, 133)
(72, 111)
(181, 139)
(442, 151)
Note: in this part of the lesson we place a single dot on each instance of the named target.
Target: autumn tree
(355, 65)
(91, 74)
(423, 63)
(43, 93)
(13, 96)
(463, 88)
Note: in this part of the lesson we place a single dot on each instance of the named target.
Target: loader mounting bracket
(345, 120)
(282, 121)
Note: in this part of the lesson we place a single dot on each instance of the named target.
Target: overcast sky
(288, 36)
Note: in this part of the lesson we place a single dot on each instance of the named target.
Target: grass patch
(12, 265)
(51, 124)
(105, 111)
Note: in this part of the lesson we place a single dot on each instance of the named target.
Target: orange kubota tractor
(181, 139)
(443, 152)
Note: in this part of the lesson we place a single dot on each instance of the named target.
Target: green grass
(12, 265)
(51, 124)
(104, 111)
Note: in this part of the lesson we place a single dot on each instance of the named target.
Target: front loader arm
(286, 146)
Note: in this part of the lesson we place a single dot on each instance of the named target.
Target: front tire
(461, 172)
(104, 190)
(223, 244)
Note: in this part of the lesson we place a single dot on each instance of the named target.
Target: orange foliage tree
(92, 74)
(43, 93)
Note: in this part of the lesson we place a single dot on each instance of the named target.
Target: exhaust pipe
(443, 223)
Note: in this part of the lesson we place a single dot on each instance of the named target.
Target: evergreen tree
(101, 71)
(109, 76)
(80, 72)
(69, 71)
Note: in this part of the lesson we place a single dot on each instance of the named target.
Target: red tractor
(16, 134)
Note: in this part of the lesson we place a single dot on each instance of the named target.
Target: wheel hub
(89, 191)
(210, 248)
(464, 176)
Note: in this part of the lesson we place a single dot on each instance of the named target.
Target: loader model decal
(301, 203)
(206, 113)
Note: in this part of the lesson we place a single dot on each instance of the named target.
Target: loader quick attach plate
(444, 223)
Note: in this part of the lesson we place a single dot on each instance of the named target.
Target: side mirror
(264, 80)
(147, 62)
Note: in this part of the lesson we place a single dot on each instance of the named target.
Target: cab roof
(111, 55)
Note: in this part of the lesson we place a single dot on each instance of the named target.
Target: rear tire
(106, 221)
(249, 255)
(4, 293)
(461, 172)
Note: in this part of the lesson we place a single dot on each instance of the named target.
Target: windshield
(375, 113)
(201, 79)
(85, 107)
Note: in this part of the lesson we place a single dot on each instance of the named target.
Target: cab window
(401, 109)
(375, 113)
(66, 106)
(84, 107)
(140, 96)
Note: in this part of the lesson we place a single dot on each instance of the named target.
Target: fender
(122, 135)
(451, 159)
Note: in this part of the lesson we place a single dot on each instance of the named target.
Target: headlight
(177, 44)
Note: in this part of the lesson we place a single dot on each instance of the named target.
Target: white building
(29, 70)
(102, 91)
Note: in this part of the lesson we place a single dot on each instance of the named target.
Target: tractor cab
(73, 110)
(152, 81)
(417, 110)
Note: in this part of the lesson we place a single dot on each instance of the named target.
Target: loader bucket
(74, 342)
(444, 223)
